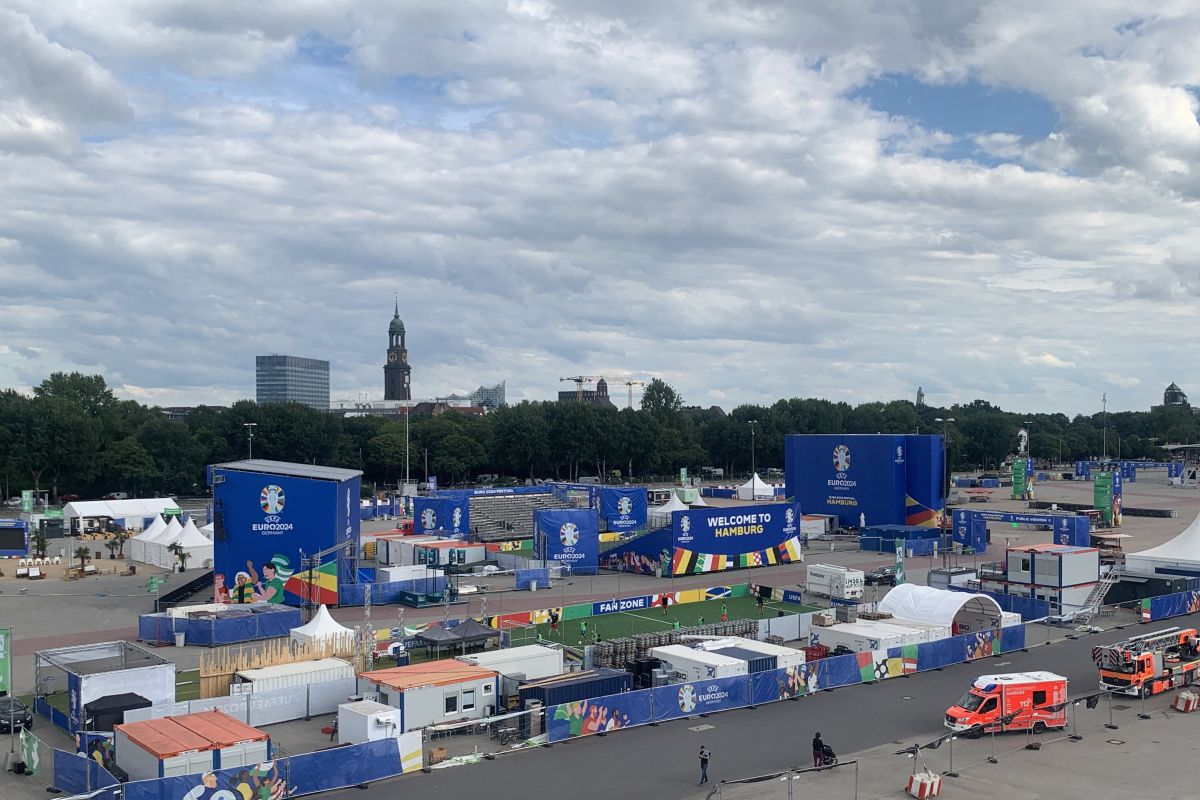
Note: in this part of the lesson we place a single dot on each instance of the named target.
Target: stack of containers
(187, 744)
(1061, 574)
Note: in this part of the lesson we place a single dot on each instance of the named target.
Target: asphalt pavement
(660, 762)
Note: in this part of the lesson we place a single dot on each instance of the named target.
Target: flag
(900, 562)
(791, 550)
(29, 752)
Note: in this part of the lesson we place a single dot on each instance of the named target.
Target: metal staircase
(1091, 606)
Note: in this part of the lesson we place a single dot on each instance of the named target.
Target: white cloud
(575, 187)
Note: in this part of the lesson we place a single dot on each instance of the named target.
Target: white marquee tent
(321, 627)
(661, 515)
(137, 545)
(194, 543)
(756, 489)
(156, 547)
(132, 511)
(1180, 555)
(942, 607)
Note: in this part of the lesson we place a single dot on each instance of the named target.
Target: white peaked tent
(1179, 556)
(208, 530)
(156, 548)
(321, 627)
(661, 515)
(198, 548)
(698, 502)
(756, 489)
(137, 545)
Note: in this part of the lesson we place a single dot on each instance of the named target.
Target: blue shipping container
(573, 687)
(756, 661)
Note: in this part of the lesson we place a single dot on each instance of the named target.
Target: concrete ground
(1152, 757)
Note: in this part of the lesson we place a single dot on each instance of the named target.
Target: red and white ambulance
(1017, 701)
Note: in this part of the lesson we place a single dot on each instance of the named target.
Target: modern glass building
(292, 379)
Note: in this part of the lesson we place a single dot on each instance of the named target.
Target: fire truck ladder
(1091, 606)
(1146, 643)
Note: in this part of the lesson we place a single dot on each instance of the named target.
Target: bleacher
(507, 517)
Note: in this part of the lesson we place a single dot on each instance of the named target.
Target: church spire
(397, 299)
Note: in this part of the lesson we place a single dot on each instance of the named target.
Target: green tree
(661, 400)
(89, 393)
(520, 438)
(389, 450)
(83, 555)
(129, 462)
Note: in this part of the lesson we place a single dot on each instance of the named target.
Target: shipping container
(398, 550)
(366, 721)
(301, 673)
(410, 572)
(784, 656)
(698, 665)
(1053, 565)
(436, 692)
(755, 662)
(944, 578)
(450, 552)
(830, 580)
(576, 686)
(235, 744)
(161, 748)
(868, 635)
(533, 661)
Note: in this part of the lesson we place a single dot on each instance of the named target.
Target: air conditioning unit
(384, 722)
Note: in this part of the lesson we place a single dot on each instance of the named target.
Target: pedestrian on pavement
(818, 749)
(705, 755)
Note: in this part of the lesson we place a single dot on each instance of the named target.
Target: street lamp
(1104, 406)
(250, 426)
(945, 457)
(1029, 440)
(753, 471)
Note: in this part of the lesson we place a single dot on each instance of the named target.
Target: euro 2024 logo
(568, 534)
(841, 458)
(687, 698)
(456, 518)
(429, 519)
(624, 506)
(271, 499)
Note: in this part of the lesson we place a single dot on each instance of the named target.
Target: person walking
(582, 631)
(818, 749)
(553, 622)
(724, 613)
(705, 755)
(760, 605)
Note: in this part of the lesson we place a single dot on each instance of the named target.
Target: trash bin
(132, 569)
(179, 637)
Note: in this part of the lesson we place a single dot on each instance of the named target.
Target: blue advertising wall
(447, 513)
(642, 555)
(71, 773)
(570, 536)
(15, 524)
(734, 530)
(269, 519)
(268, 623)
(1174, 605)
(623, 509)
(1074, 531)
(890, 479)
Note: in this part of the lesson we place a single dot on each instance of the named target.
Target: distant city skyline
(751, 201)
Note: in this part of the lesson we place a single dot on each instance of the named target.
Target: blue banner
(14, 535)
(448, 513)
(836, 671)
(75, 774)
(1174, 605)
(773, 685)
(1074, 531)
(624, 509)
(1083, 470)
(700, 697)
(598, 715)
(734, 530)
(570, 536)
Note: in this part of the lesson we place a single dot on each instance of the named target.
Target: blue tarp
(1174, 605)
(836, 671)
(71, 773)
(336, 768)
(251, 625)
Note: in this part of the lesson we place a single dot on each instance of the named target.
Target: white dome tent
(137, 545)
(756, 489)
(1178, 556)
(962, 611)
(321, 628)
(661, 515)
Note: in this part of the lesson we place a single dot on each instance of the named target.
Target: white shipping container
(534, 661)
(409, 572)
(366, 721)
(835, 582)
(399, 552)
(699, 665)
(141, 762)
(867, 635)
(784, 656)
(1009, 618)
(286, 676)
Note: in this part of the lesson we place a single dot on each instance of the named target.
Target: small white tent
(208, 530)
(198, 548)
(1179, 556)
(156, 548)
(137, 545)
(320, 628)
(698, 502)
(661, 515)
(756, 489)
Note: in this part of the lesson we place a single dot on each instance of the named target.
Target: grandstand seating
(507, 517)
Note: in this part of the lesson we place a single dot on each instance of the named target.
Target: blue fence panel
(773, 685)
(600, 714)
(525, 577)
(1174, 605)
(75, 774)
(700, 697)
(1028, 607)
(836, 671)
(1012, 638)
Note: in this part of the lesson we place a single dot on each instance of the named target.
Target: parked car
(116, 496)
(68, 498)
(881, 576)
(13, 502)
(14, 714)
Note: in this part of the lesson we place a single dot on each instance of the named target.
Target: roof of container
(754, 645)
(741, 653)
(367, 707)
(682, 651)
(220, 728)
(1048, 547)
(298, 668)
(507, 654)
(164, 737)
(433, 673)
(293, 470)
(577, 677)
(451, 543)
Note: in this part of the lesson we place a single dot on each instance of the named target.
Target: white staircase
(1091, 606)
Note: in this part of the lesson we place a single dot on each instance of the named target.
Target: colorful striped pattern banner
(689, 562)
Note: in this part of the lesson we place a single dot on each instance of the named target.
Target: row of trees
(74, 435)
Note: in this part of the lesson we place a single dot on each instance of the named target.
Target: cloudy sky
(750, 200)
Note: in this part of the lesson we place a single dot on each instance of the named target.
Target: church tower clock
(397, 374)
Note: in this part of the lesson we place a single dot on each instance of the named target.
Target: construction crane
(632, 384)
(580, 380)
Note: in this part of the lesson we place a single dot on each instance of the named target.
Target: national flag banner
(792, 548)
(716, 592)
(682, 561)
(29, 752)
(757, 558)
(772, 557)
(866, 667)
(908, 654)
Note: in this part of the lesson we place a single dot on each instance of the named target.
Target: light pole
(1029, 440)
(1104, 406)
(945, 461)
(753, 471)
(407, 414)
(250, 426)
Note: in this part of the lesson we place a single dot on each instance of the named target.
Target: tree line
(73, 435)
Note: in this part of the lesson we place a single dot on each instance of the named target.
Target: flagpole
(8, 653)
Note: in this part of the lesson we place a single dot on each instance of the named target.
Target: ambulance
(1013, 702)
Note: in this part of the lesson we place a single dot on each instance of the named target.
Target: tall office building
(292, 379)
